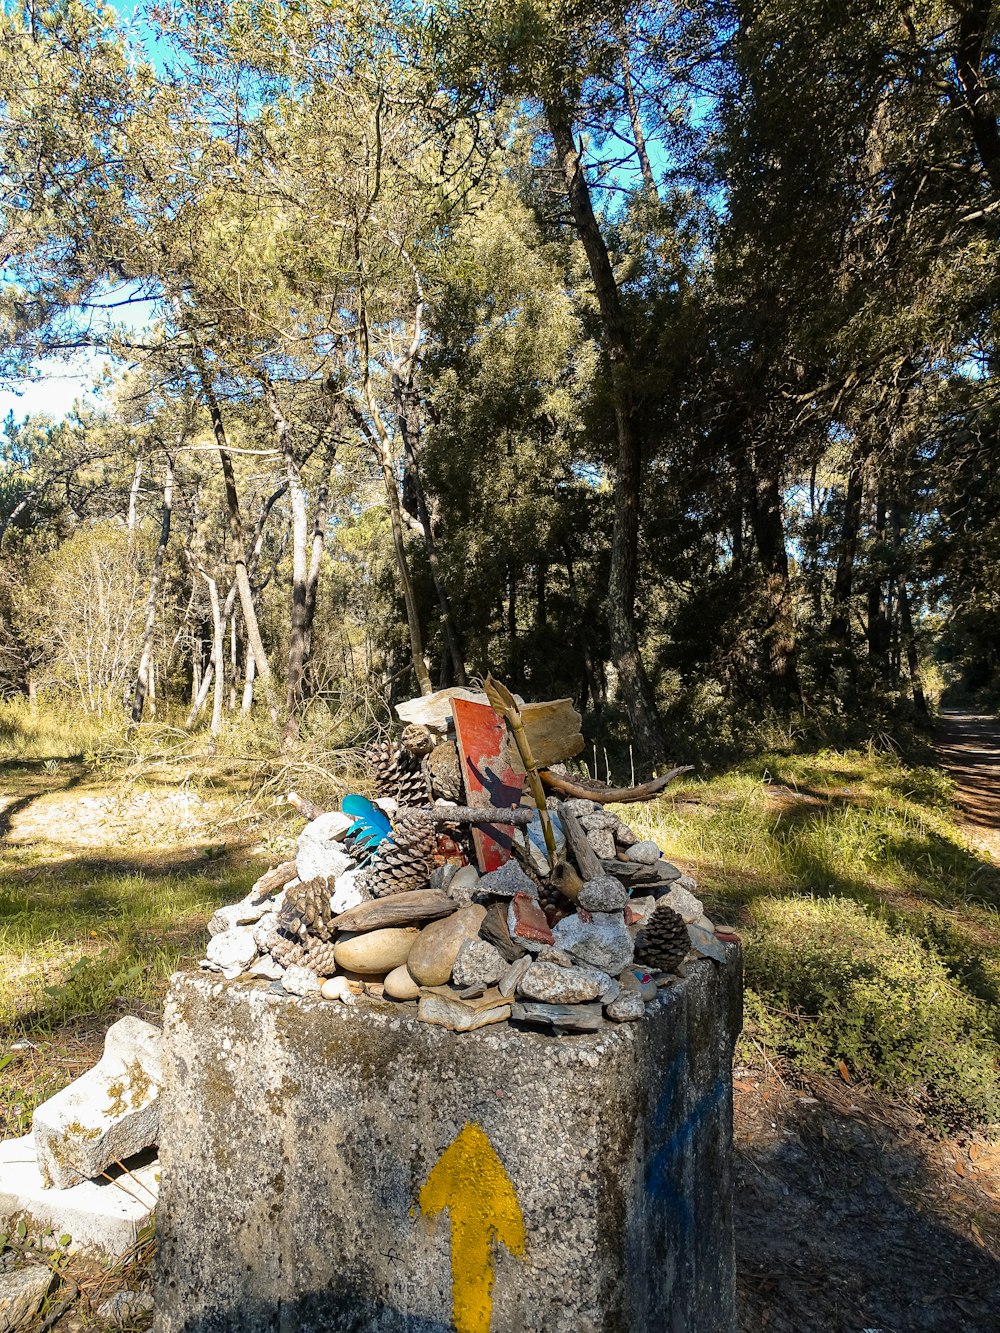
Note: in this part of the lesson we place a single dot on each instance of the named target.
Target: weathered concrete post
(330, 1168)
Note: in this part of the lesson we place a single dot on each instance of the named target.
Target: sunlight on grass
(870, 926)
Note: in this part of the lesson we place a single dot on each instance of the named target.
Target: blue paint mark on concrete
(668, 1157)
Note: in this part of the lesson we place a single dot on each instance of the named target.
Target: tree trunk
(976, 27)
(133, 499)
(513, 650)
(409, 425)
(318, 543)
(779, 623)
(143, 675)
(218, 655)
(839, 632)
(878, 618)
(300, 568)
(622, 582)
(638, 138)
(236, 535)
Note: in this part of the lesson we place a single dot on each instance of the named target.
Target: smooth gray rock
(478, 964)
(21, 1293)
(603, 894)
(645, 853)
(108, 1114)
(604, 942)
(617, 1144)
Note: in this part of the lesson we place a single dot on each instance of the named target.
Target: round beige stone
(374, 952)
(399, 985)
(433, 956)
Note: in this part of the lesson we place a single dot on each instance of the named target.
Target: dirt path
(969, 746)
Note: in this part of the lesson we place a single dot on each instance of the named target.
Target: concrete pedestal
(328, 1169)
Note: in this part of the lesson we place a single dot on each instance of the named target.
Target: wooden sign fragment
(493, 775)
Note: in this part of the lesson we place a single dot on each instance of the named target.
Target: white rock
(319, 856)
(234, 948)
(687, 882)
(300, 980)
(599, 819)
(433, 711)
(552, 984)
(347, 892)
(603, 942)
(265, 932)
(684, 903)
(101, 1219)
(578, 806)
(644, 853)
(336, 988)
(603, 894)
(124, 1307)
(21, 1293)
(331, 827)
(106, 1115)
(244, 913)
(507, 881)
(388, 804)
(269, 968)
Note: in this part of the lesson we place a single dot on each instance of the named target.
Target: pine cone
(381, 759)
(663, 942)
(306, 909)
(406, 859)
(416, 741)
(411, 786)
(443, 772)
(287, 949)
(319, 957)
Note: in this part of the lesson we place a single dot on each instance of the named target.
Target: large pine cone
(306, 909)
(405, 860)
(443, 771)
(287, 949)
(416, 741)
(381, 759)
(411, 786)
(319, 957)
(663, 943)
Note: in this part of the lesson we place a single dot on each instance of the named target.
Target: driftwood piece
(553, 729)
(567, 881)
(308, 809)
(273, 880)
(611, 795)
(400, 909)
(470, 814)
(586, 858)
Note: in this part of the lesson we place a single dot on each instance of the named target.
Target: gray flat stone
(21, 1293)
(106, 1115)
(558, 985)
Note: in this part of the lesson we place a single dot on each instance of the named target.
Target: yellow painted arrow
(470, 1181)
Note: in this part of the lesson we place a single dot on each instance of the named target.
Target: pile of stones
(564, 952)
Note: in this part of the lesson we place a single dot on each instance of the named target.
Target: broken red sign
(493, 775)
(529, 920)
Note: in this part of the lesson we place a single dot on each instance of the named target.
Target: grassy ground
(870, 923)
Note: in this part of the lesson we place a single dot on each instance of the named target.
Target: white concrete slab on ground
(103, 1217)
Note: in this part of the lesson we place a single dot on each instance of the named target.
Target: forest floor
(851, 1212)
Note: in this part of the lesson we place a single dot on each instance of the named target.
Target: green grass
(870, 926)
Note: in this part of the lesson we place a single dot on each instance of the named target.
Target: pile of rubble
(548, 912)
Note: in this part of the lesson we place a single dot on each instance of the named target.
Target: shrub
(829, 982)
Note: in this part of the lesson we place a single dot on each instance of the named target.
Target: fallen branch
(468, 814)
(308, 809)
(611, 795)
